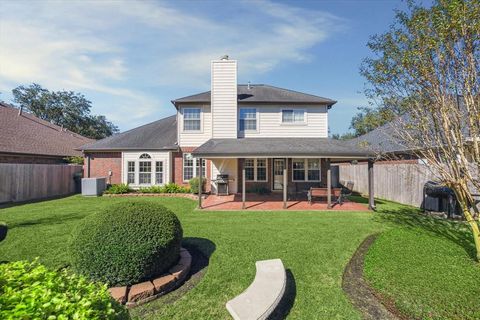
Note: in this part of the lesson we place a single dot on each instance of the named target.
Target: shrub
(29, 290)
(194, 184)
(126, 243)
(118, 189)
(175, 188)
(152, 189)
(3, 230)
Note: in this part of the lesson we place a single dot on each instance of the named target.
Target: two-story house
(257, 129)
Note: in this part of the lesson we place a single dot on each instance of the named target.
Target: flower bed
(138, 194)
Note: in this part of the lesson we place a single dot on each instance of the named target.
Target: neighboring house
(25, 138)
(258, 128)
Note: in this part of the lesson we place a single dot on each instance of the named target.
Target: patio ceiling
(282, 147)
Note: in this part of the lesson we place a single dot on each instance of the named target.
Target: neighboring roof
(26, 134)
(255, 93)
(326, 147)
(382, 140)
(158, 135)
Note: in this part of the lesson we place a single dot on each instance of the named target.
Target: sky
(131, 58)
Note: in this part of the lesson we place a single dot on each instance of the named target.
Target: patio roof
(281, 147)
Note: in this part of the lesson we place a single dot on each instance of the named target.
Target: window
(255, 169)
(145, 172)
(249, 169)
(131, 172)
(191, 119)
(191, 167)
(298, 169)
(306, 169)
(313, 169)
(159, 172)
(248, 119)
(293, 116)
(187, 166)
(145, 156)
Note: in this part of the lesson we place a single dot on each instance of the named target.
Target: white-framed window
(192, 119)
(145, 156)
(248, 119)
(256, 170)
(293, 116)
(158, 172)
(191, 167)
(144, 172)
(131, 172)
(306, 170)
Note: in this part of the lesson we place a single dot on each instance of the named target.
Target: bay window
(131, 172)
(158, 172)
(145, 172)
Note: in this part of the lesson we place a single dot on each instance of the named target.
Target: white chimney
(224, 98)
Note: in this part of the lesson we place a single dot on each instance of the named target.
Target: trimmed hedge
(28, 290)
(126, 243)
(118, 189)
(194, 182)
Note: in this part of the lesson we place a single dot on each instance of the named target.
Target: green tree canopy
(64, 108)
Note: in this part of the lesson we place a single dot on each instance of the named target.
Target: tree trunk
(463, 200)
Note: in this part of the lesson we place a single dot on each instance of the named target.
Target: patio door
(278, 166)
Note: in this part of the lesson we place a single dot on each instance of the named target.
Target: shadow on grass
(355, 197)
(46, 220)
(288, 299)
(456, 231)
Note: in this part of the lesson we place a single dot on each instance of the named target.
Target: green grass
(314, 247)
(426, 267)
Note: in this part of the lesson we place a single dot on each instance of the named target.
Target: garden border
(140, 293)
(167, 195)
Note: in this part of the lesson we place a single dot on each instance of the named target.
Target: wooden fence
(22, 182)
(400, 182)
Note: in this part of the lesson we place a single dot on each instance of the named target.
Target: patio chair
(346, 191)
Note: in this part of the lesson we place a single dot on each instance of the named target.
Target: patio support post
(285, 181)
(329, 184)
(200, 180)
(243, 188)
(371, 191)
(88, 166)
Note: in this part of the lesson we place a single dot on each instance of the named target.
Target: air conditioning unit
(93, 186)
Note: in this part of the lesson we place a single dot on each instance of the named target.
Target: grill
(439, 198)
(222, 184)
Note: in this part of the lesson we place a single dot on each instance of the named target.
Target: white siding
(195, 138)
(224, 98)
(269, 122)
(226, 166)
(156, 156)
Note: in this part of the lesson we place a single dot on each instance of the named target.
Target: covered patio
(282, 170)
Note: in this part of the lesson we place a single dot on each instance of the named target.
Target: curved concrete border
(141, 293)
(358, 290)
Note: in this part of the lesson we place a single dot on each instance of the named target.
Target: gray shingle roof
(24, 133)
(280, 147)
(261, 93)
(381, 139)
(158, 135)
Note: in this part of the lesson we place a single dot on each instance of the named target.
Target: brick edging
(140, 293)
(167, 195)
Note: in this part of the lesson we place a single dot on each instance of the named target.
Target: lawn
(314, 247)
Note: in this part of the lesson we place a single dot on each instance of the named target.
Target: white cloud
(115, 52)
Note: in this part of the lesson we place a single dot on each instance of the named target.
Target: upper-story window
(248, 119)
(191, 119)
(293, 116)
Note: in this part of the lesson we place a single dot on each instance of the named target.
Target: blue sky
(130, 58)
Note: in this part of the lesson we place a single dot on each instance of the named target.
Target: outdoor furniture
(346, 191)
(322, 193)
(263, 295)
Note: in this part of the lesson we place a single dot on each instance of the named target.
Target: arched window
(145, 156)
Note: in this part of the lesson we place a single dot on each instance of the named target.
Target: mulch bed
(361, 294)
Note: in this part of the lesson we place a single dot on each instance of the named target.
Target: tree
(428, 63)
(370, 118)
(64, 108)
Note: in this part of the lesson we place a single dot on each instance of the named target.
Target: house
(28, 139)
(267, 134)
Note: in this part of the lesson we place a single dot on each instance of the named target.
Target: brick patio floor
(272, 202)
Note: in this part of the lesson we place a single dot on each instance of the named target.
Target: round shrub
(126, 243)
(28, 290)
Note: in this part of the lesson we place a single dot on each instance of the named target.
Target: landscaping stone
(179, 271)
(141, 291)
(119, 294)
(164, 283)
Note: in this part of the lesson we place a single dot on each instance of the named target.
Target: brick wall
(177, 168)
(102, 162)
